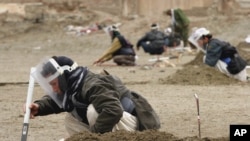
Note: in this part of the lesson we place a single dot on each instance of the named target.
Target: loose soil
(136, 136)
(23, 45)
(197, 73)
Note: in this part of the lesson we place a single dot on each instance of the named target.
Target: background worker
(121, 50)
(153, 41)
(180, 23)
(221, 55)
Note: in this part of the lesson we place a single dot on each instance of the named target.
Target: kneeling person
(152, 42)
(121, 50)
(221, 55)
(94, 102)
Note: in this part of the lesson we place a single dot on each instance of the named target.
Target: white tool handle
(29, 96)
(161, 59)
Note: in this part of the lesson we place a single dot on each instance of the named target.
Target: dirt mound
(197, 73)
(135, 136)
(197, 60)
(243, 49)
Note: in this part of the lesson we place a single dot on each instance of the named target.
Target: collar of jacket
(75, 83)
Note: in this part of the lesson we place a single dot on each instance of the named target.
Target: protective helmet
(200, 32)
(54, 69)
(196, 35)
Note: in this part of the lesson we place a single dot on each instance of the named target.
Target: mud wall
(243, 3)
(152, 7)
(140, 7)
(230, 7)
(127, 7)
(110, 6)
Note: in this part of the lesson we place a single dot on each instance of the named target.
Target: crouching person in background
(221, 55)
(94, 102)
(121, 50)
(152, 42)
(172, 40)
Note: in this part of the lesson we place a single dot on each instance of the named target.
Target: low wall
(153, 7)
(122, 7)
(16, 12)
(125, 7)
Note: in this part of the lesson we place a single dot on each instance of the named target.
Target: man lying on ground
(94, 102)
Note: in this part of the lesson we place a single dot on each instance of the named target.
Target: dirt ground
(23, 45)
(204, 75)
(137, 136)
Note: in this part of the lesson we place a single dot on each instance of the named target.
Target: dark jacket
(126, 47)
(105, 93)
(172, 40)
(181, 20)
(219, 50)
(155, 37)
(120, 46)
(214, 50)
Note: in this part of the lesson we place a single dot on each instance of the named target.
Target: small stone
(20, 115)
(162, 70)
(132, 70)
(146, 68)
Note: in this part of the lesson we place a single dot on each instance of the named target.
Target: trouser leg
(73, 125)
(185, 36)
(128, 122)
(222, 67)
(145, 47)
(242, 76)
(127, 60)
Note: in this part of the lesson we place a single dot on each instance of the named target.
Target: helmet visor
(47, 76)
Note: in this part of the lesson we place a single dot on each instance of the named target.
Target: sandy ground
(22, 45)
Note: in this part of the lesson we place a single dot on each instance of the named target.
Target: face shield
(194, 40)
(50, 76)
(196, 36)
